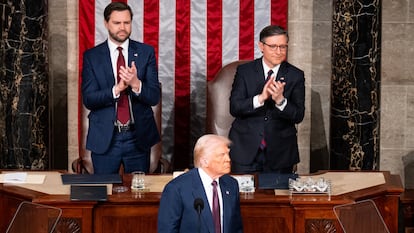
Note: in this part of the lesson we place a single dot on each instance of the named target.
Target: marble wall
(310, 36)
(310, 26)
(33, 85)
(58, 81)
(310, 48)
(397, 89)
(24, 107)
(355, 85)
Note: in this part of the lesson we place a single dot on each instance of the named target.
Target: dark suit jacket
(177, 213)
(97, 82)
(278, 126)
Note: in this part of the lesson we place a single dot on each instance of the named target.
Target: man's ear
(260, 44)
(204, 162)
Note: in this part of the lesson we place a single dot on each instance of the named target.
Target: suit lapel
(134, 51)
(259, 71)
(198, 192)
(259, 75)
(104, 60)
(282, 71)
(226, 195)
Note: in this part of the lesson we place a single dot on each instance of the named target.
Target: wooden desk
(262, 211)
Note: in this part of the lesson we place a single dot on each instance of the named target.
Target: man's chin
(121, 40)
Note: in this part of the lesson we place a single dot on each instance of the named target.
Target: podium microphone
(199, 206)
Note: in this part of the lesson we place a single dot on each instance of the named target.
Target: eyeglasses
(274, 47)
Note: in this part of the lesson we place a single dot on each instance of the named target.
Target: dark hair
(272, 30)
(116, 6)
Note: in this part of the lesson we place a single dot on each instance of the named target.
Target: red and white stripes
(192, 40)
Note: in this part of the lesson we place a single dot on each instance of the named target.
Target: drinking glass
(138, 180)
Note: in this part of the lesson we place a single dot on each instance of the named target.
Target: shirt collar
(205, 177)
(113, 47)
(267, 68)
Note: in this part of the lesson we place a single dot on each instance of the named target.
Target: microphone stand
(198, 206)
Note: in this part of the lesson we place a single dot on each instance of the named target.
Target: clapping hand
(129, 76)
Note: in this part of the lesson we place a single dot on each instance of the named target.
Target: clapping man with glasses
(267, 101)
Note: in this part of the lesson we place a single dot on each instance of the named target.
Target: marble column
(355, 86)
(24, 85)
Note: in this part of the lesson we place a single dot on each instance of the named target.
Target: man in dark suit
(119, 86)
(187, 202)
(267, 100)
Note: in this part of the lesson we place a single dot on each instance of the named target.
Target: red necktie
(123, 108)
(269, 74)
(216, 209)
(263, 142)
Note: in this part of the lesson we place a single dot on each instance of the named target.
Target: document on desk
(21, 178)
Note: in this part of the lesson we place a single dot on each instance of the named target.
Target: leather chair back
(156, 150)
(218, 106)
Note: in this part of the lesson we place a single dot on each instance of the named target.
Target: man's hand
(276, 91)
(129, 77)
(120, 86)
(265, 92)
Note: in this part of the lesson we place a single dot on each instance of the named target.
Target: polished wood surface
(262, 211)
(407, 210)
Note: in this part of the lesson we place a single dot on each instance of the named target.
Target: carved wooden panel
(72, 225)
(320, 226)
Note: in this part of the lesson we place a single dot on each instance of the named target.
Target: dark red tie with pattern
(263, 142)
(216, 208)
(123, 108)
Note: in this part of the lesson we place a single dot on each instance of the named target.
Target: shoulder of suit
(182, 180)
(228, 178)
(250, 64)
(100, 47)
(136, 44)
(187, 175)
(292, 67)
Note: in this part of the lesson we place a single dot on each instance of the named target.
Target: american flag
(193, 39)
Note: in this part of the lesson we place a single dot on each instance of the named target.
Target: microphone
(198, 206)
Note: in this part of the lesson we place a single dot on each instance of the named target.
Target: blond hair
(206, 144)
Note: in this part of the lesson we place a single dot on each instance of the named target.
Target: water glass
(138, 180)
